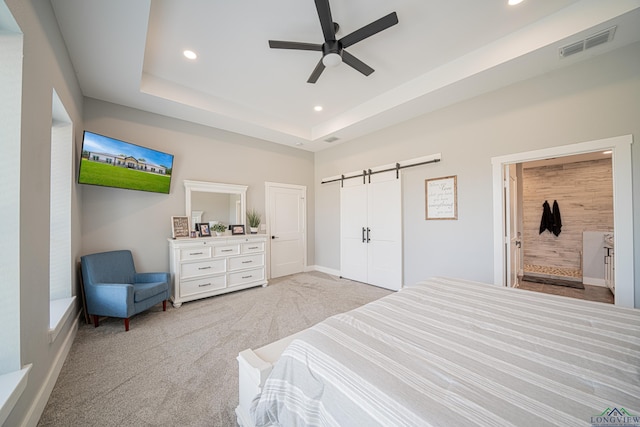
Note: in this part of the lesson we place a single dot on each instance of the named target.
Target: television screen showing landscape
(110, 162)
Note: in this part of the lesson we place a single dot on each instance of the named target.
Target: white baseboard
(39, 403)
(593, 281)
(322, 269)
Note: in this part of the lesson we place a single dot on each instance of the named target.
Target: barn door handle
(363, 231)
(368, 236)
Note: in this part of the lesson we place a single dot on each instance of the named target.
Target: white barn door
(385, 230)
(353, 230)
(371, 230)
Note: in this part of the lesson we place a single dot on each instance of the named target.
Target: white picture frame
(441, 198)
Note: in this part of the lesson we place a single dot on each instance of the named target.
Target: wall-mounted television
(110, 162)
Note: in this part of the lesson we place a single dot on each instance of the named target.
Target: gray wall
(595, 99)
(141, 221)
(589, 101)
(46, 67)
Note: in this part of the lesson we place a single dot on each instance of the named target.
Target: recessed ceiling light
(514, 2)
(189, 54)
(318, 108)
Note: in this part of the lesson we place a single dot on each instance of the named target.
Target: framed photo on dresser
(179, 227)
(204, 229)
(237, 229)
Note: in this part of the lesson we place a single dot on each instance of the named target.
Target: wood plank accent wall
(584, 191)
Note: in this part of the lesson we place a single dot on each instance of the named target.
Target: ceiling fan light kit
(332, 60)
(333, 52)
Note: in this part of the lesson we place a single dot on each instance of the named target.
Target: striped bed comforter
(453, 353)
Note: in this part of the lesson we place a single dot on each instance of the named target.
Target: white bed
(450, 352)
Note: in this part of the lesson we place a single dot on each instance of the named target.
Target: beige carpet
(178, 368)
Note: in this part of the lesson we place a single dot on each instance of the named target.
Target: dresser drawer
(248, 248)
(246, 276)
(198, 286)
(248, 261)
(195, 253)
(202, 268)
(226, 250)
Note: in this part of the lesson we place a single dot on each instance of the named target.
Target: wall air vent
(599, 38)
(331, 139)
(591, 41)
(572, 49)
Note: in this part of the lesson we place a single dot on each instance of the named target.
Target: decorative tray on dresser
(208, 266)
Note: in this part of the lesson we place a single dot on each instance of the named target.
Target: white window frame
(13, 376)
(61, 300)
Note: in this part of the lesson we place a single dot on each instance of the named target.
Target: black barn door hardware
(368, 172)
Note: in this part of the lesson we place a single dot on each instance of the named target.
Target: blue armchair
(113, 288)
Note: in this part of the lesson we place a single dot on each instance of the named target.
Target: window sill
(11, 387)
(59, 312)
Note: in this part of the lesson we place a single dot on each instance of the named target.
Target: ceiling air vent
(591, 41)
(331, 139)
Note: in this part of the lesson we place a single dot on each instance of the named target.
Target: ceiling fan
(333, 52)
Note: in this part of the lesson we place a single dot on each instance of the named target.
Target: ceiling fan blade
(277, 44)
(355, 63)
(326, 22)
(369, 30)
(316, 72)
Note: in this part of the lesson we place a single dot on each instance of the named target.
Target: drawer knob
(204, 284)
(195, 253)
(253, 247)
(247, 277)
(247, 262)
(227, 250)
(204, 268)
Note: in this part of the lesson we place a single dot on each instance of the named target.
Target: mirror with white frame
(215, 202)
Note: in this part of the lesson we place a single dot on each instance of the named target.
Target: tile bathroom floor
(590, 293)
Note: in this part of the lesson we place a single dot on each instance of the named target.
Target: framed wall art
(441, 198)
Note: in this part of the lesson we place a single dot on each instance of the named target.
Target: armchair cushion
(143, 291)
(151, 277)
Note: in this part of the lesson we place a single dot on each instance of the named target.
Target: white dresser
(208, 266)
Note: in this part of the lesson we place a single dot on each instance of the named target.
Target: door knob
(274, 237)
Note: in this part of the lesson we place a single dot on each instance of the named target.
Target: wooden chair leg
(164, 305)
(95, 321)
(126, 324)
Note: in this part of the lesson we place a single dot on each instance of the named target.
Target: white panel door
(512, 227)
(371, 230)
(353, 230)
(385, 231)
(287, 212)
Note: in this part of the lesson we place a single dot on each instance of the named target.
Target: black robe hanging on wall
(551, 220)
(557, 221)
(547, 218)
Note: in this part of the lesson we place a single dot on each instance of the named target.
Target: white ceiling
(441, 52)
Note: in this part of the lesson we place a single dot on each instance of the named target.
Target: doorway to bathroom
(545, 255)
(566, 206)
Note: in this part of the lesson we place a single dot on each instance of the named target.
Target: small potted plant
(253, 218)
(219, 228)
